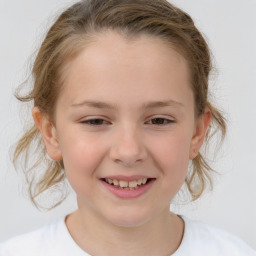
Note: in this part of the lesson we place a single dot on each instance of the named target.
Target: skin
(126, 74)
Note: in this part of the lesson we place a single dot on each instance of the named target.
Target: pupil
(158, 121)
(97, 121)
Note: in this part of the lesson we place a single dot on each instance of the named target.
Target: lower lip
(126, 193)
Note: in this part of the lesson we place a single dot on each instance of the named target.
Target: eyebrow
(148, 105)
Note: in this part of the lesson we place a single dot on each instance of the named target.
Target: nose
(128, 149)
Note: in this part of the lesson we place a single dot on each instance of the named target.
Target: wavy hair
(68, 36)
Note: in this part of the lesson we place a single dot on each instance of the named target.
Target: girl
(121, 108)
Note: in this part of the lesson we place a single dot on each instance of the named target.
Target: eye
(95, 122)
(160, 121)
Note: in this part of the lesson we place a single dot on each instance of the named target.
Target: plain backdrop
(230, 29)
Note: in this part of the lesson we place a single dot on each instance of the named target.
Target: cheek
(172, 155)
(81, 158)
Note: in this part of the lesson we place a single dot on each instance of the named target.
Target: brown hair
(67, 37)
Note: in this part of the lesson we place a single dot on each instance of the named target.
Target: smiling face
(125, 116)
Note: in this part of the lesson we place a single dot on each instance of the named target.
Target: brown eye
(95, 122)
(160, 121)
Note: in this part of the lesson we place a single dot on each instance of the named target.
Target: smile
(129, 185)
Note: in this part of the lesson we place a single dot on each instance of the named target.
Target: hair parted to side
(68, 36)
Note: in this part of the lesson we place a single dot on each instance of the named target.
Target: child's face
(126, 112)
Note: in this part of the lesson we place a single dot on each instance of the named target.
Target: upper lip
(127, 178)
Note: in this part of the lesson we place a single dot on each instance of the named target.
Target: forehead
(137, 50)
(112, 62)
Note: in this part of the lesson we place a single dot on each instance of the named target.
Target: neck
(97, 236)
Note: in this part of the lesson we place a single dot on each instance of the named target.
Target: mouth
(128, 185)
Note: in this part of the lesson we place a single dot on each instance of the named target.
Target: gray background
(230, 28)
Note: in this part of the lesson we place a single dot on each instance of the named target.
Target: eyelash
(89, 122)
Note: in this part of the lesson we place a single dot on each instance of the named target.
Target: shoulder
(37, 242)
(202, 239)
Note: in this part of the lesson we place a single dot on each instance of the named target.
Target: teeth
(115, 182)
(144, 181)
(127, 185)
(123, 184)
(109, 181)
(133, 184)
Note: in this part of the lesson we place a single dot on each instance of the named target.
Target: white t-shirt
(55, 240)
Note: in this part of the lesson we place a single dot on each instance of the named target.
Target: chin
(128, 218)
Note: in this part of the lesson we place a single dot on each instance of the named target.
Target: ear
(49, 134)
(201, 127)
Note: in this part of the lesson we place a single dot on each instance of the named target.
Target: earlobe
(202, 125)
(49, 134)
